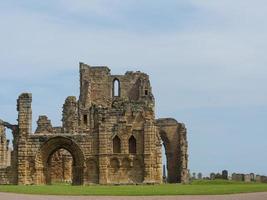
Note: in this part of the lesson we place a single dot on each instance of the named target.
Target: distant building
(225, 174)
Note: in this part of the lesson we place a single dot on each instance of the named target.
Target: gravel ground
(251, 196)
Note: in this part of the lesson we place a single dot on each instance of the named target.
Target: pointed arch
(132, 145)
(116, 88)
(116, 144)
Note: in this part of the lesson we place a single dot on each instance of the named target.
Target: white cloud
(216, 60)
(226, 63)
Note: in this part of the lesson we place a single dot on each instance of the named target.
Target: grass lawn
(196, 188)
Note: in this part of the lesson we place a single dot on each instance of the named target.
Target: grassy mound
(216, 187)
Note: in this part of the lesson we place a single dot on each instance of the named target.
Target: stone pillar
(25, 114)
(78, 175)
(104, 132)
(85, 87)
(85, 98)
(184, 174)
(3, 144)
(159, 176)
(103, 159)
(127, 130)
(149, 146)
(70, 115)
(25, 128)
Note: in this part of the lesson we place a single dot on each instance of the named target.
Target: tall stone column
(159, 169)
(3, 149)
(184, 174)
(149, 147)
(104, 132)
(25, 128)
(85, 98)
(103, 160)
(24, 114)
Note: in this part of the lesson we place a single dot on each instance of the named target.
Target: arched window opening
(116, 88)
(146, 92)
(85, 119)
(132, 145)
(116, 144)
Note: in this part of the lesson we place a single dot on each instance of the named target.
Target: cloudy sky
(206, 60)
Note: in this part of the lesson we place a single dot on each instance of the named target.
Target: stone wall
(4, 149)
(261, 179)
(44, 125)
(111, 135)
(238, 177)
(5, 176)
(61, 166)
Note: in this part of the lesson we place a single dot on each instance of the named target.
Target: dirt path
(252, 196)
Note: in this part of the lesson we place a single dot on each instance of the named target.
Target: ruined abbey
(109, 135)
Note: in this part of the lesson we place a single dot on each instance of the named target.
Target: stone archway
(174, 141)
(49, 148)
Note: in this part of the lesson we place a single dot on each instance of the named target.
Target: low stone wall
(261, 179)
(5, 176)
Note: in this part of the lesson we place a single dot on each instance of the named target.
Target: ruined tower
(109, 135)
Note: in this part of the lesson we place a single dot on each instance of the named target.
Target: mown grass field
(217, 187)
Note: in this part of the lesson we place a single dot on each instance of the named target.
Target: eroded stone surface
(110, 132)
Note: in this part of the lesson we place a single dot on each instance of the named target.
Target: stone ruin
(249, 178)
(239, 177)
(108, 136)
(5, 151)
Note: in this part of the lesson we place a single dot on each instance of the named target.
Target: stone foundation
(5, 176)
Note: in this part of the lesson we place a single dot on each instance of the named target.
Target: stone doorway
(45, 155)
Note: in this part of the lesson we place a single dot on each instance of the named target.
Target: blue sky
(206, 60)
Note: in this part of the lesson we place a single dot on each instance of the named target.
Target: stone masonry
(4, 149)
(61, 166)
(108, 136)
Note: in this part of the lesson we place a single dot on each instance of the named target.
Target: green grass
(196, 188)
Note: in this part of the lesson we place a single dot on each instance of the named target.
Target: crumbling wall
(5, 176)
(70, 115)
(61, 166)
(97, 88)
(238, 177)
(25, 129)
(112, 136)
(4, 149)
(44, 125)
